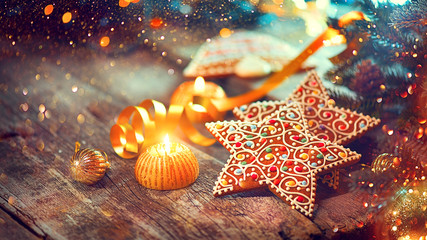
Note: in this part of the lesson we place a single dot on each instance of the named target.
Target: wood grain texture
(36, 147)
(11, 229)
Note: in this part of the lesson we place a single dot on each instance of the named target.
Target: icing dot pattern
(324, 120)
(281, 157)
(339, 125)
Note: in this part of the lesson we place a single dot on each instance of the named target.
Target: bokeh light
(105, 41)
(225, 33)
(124, 3)
(48, 9)
(156, 23)
(66, 18)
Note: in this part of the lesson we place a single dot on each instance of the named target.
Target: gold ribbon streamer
(129, 139)
(276, 79)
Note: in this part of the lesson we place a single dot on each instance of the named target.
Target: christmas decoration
(88, 165)
(383, 66)
(390, 61)
(166, 166)
(244, 53)
(185, 93)
(278, 153)
(384, 162)
(396, 184)
(129, 140)
(272, 82)
(325, 121)
(388, 72)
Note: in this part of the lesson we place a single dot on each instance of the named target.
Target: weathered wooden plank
(36, 154)
(11, 229)
(66, 209)
(62, 208)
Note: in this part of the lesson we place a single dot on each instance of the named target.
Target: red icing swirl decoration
(283, 156)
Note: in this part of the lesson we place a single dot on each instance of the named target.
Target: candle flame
(167, 144)
(198, 108)
(199, 85)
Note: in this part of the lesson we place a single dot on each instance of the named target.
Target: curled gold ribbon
(129, 139)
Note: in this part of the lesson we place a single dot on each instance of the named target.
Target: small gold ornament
(88, 165)
(384, 162)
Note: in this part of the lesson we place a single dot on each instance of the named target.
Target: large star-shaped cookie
(324, 120)
(278, 152)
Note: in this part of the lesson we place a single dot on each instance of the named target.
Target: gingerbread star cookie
(324, 120)
(278, 153)
(244, 53)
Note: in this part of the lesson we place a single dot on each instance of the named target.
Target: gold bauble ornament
(88, 165)
(384, 162)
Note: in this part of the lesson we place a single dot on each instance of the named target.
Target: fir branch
(348, 99)
(414, 152)
(372, 10)
(392, 43)
(410, 16)
(343, 96)
(342, 73)
(396, 46)
(395, 75)
(380, 188)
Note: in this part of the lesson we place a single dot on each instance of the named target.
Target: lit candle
(166, 166)
(184, 94)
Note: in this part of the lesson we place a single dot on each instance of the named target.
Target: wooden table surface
(48, 102)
